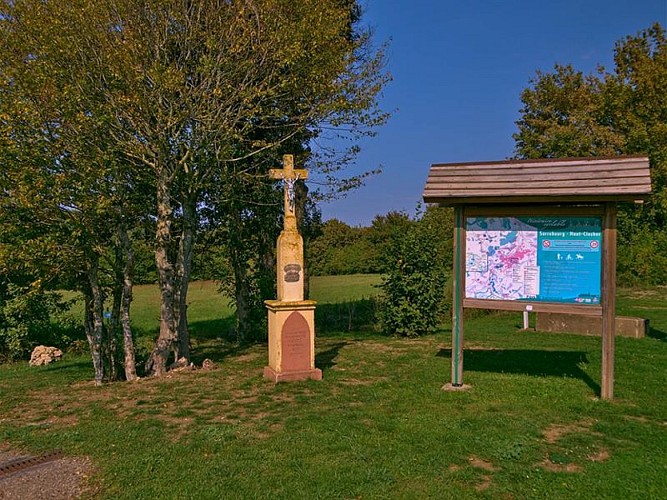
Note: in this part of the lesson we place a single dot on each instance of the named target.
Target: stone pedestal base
(271, 374)
(291, 341)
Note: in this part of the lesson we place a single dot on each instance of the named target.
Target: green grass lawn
(377, 426)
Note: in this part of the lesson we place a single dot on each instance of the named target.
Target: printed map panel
(547, 259)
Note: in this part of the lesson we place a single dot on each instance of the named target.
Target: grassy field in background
(377, 426)
(207, 309)
(211, 315)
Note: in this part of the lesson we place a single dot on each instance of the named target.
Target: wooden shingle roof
(571, 180)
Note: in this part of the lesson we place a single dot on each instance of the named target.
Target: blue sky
(459, 67)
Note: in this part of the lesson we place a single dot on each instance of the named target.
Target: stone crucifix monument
(291, 318)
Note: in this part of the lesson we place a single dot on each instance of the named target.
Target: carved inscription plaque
(296, 343)
(292, 273)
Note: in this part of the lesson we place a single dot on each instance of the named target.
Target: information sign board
(534, 258)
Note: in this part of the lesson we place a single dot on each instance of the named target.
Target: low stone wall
(589, 325)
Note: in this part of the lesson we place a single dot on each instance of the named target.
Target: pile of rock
(182, 364)
(43, 355)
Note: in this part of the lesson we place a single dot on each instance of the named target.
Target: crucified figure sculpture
(290, 182)
(289, 175)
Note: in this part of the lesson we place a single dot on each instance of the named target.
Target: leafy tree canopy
(623, 111)
(181, 103)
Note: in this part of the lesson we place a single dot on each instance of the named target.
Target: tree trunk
(114, 323)
(267, 256)
(246, 299)
(241, 292)
(157, 361)
(184, 267)
(128, 274)
(94, 322)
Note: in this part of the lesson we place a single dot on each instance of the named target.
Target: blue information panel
(536, 258)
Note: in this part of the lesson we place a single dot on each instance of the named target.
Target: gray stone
(589, 325)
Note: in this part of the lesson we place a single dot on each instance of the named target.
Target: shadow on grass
(325, 359)
(217, 352)
(527, 362)
(82, 365)
(212, 339)
(654, 333)
(219, 328)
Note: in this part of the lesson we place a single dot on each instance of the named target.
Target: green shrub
(642, 257)
(414, 286)
(30, 316)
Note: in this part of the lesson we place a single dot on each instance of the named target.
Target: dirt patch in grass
(561, 459)
(641, 420)
(645, 420)
(556, 431)
(548, 465)
(484, 484)
(44, 409)
(175, 401)
(600, 456)
(177, 427)
(267, 433)
(62, 420)
(283, 398)
(383, 348)
(480, 463)
(364, 382)
(244, 400)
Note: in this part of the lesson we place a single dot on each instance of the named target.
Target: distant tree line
(338, 248)
(332, 247)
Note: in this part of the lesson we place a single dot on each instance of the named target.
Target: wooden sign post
(537, 235)
(457, 302)
(608, 300)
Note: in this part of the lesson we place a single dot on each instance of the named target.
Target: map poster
(536, 258)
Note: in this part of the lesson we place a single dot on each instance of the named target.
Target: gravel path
(62, 479)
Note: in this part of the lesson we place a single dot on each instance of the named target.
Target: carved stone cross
(289, 175)
(291, 318)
